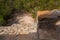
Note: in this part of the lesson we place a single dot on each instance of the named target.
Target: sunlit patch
(58, 23)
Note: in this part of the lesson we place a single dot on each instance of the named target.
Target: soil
(21, 27)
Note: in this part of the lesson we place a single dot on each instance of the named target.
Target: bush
(5, 9)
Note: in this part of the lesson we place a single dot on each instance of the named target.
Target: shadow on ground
(31, 36)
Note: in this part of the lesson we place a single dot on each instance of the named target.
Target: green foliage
(30, 5)
(6, 6)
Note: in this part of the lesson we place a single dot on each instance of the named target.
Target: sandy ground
(22, 27)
